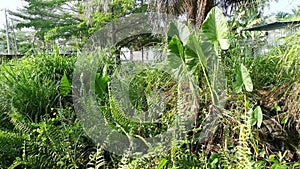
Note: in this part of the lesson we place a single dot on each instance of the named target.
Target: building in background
(273, 36)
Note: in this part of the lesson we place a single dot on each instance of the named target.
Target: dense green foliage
(52, 19)
(70, 23)
(258, 125)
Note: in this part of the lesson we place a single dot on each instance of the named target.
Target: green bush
(31, 84)
(57, 142)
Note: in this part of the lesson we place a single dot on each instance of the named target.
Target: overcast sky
(11, 5)
(282, 5)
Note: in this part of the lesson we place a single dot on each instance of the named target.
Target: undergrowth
(258, 127)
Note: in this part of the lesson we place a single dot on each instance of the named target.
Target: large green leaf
(215, 28)
(176, 47)
(257, 116)
(180, 30)
(242, 78)
(194, 52)
(246, 78)
(238, 83)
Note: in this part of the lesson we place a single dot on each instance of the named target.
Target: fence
(146, 54)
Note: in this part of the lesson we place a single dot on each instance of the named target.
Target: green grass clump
(31, 84)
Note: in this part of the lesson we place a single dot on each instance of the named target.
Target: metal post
(15, 38)
(7, 34)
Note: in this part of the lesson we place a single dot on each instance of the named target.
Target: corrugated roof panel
(273, 26)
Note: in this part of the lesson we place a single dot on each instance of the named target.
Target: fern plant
(96, 159)
(11, 144)
(30, 84)
(53, 143)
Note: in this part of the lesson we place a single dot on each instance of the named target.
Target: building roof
(273, 26)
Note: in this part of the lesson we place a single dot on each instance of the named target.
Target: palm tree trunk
(203, 6)
(197, 10)
(191, 8)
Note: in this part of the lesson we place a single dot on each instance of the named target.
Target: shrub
(31, 84)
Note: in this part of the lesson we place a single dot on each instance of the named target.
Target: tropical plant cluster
(256, 100)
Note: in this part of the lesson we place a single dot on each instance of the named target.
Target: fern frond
(97, 159)
(243, 151)
(18, 161)
(20, 122)
(10, 148)
(124, 163)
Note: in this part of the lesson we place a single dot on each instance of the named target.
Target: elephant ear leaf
(176, 47)
(215, 28)
(65, 85)
(246, 78)
(257, 116)
(242, 78)
(180, 30)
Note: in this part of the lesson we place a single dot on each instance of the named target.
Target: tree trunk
(203, 6)
(191, 8)
(197, 11)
